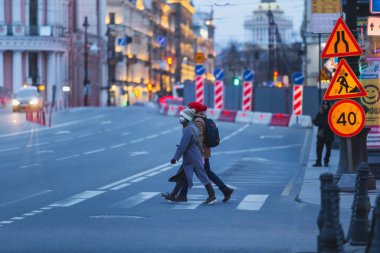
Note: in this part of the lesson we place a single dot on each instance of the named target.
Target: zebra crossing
(250, 202)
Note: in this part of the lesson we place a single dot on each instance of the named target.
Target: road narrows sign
(341, 42)
(344, 84)
(346, 118)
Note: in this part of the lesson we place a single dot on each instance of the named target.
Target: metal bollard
(331, 236)
(326, 179)
(359, 227)
(374, 243)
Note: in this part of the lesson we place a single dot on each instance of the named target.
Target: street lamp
(86, 82)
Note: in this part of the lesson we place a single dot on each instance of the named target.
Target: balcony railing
(22, 30)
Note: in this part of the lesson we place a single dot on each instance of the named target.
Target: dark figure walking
(190, 150)
(325, 136)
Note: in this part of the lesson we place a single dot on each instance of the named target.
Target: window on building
(33, 68)
(33, 17)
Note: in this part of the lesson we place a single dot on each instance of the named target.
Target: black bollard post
(374, 244)
(359, 231)
(326, 179)
(331, 238)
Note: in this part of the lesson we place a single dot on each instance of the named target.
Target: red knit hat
(197, 106)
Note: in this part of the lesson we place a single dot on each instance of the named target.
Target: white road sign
(373, 26)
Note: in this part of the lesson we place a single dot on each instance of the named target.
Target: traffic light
(275, 75)
(170, 60)
(236, 81)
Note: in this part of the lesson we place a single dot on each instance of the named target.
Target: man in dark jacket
(325, 136)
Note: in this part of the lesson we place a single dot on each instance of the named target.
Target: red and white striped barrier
(262, 118)
(297, 99)
(244, 117)
(218, 95)
(199, 82)
(247, 96)
(37, 117)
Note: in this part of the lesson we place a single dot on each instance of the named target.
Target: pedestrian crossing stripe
(344, 84)
(251, 202)
(341, 42)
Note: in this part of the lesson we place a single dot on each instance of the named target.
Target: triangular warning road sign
(341, 42)
(344, 84)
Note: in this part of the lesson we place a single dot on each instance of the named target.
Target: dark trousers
(320, 143)
(211, 175)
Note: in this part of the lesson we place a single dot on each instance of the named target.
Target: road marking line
(166, 132)
(29, 165)
(66, 157)
(25, 198)
(85, 135)
(120, 186)
(77, 198)
(17, 218)
(63, 132)
(118, 145)
(153, 174)
(234, 133)
(64, 139)
(9, 149)
(252, 202)
(139, 153)
(46, 208)
(29, 214)
(271, 136)
(152, 136)
(36, 145)
(37, 211)
(6, 222)
(135, 200)
(45, 151)
(94, 151)
(133, 177)
(166, 169)
(138, 179)
(138, 140)
(190, 205)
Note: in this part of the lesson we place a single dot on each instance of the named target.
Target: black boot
(227, 192)
(211, 195)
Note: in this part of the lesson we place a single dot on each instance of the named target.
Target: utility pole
(270, 44)
(86, 82)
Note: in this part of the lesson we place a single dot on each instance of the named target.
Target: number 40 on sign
(346, 118)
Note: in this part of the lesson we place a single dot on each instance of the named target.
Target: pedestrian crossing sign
(341, 42)
(344, 84)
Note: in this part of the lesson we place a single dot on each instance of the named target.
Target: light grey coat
(192, 158)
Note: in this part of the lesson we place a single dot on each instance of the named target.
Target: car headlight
(15, 102)
(34, 101)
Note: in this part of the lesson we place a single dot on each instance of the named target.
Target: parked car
(27, 98)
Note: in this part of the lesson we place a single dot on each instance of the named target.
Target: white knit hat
(188, 114)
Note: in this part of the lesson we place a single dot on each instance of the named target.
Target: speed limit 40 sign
(346, 118)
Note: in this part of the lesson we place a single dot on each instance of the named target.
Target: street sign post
(297, 99)
(219, 74)
(200, 70)
(344, 84)
(341, 42)
(247, 90)
(248, 75)
(373, 26)
(324, 14)
(298, 78)
(374, 6)
(200, 58)
(199, 82)
(346, 118)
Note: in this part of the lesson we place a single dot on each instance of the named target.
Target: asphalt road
(91, 183)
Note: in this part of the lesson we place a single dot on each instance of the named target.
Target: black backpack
(211, 138)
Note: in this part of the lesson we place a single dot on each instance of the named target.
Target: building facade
(37, 41)
(257, 25)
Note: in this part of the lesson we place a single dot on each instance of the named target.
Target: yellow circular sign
(200, 58)
(346, 118)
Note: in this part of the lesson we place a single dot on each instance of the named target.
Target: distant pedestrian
(190, 150)
(325, 136)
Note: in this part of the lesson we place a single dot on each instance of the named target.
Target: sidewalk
(311, 194)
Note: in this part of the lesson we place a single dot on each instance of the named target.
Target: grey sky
(229, 19)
